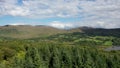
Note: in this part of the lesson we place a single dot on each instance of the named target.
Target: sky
(61, 13)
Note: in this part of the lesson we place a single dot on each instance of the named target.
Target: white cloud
(90, 11)
(17, 24)
(99, 24)
(62, 8)
(18, 11)
(60, 25)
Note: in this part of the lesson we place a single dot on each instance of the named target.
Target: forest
(66, 50)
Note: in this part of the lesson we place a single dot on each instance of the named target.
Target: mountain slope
(27, 31)
(98, 31)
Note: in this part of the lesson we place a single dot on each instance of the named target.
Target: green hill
(98, 31)
(27, 31)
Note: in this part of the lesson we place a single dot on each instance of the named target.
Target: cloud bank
(98, 13)
(61, 25)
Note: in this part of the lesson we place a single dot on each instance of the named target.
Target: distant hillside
(27, 31)
(101, 31)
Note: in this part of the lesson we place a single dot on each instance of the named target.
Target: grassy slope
(28, 31)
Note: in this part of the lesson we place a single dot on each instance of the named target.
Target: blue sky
(61, 13)
(35, 21)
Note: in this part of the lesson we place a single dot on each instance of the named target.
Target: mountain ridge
(29, 31)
